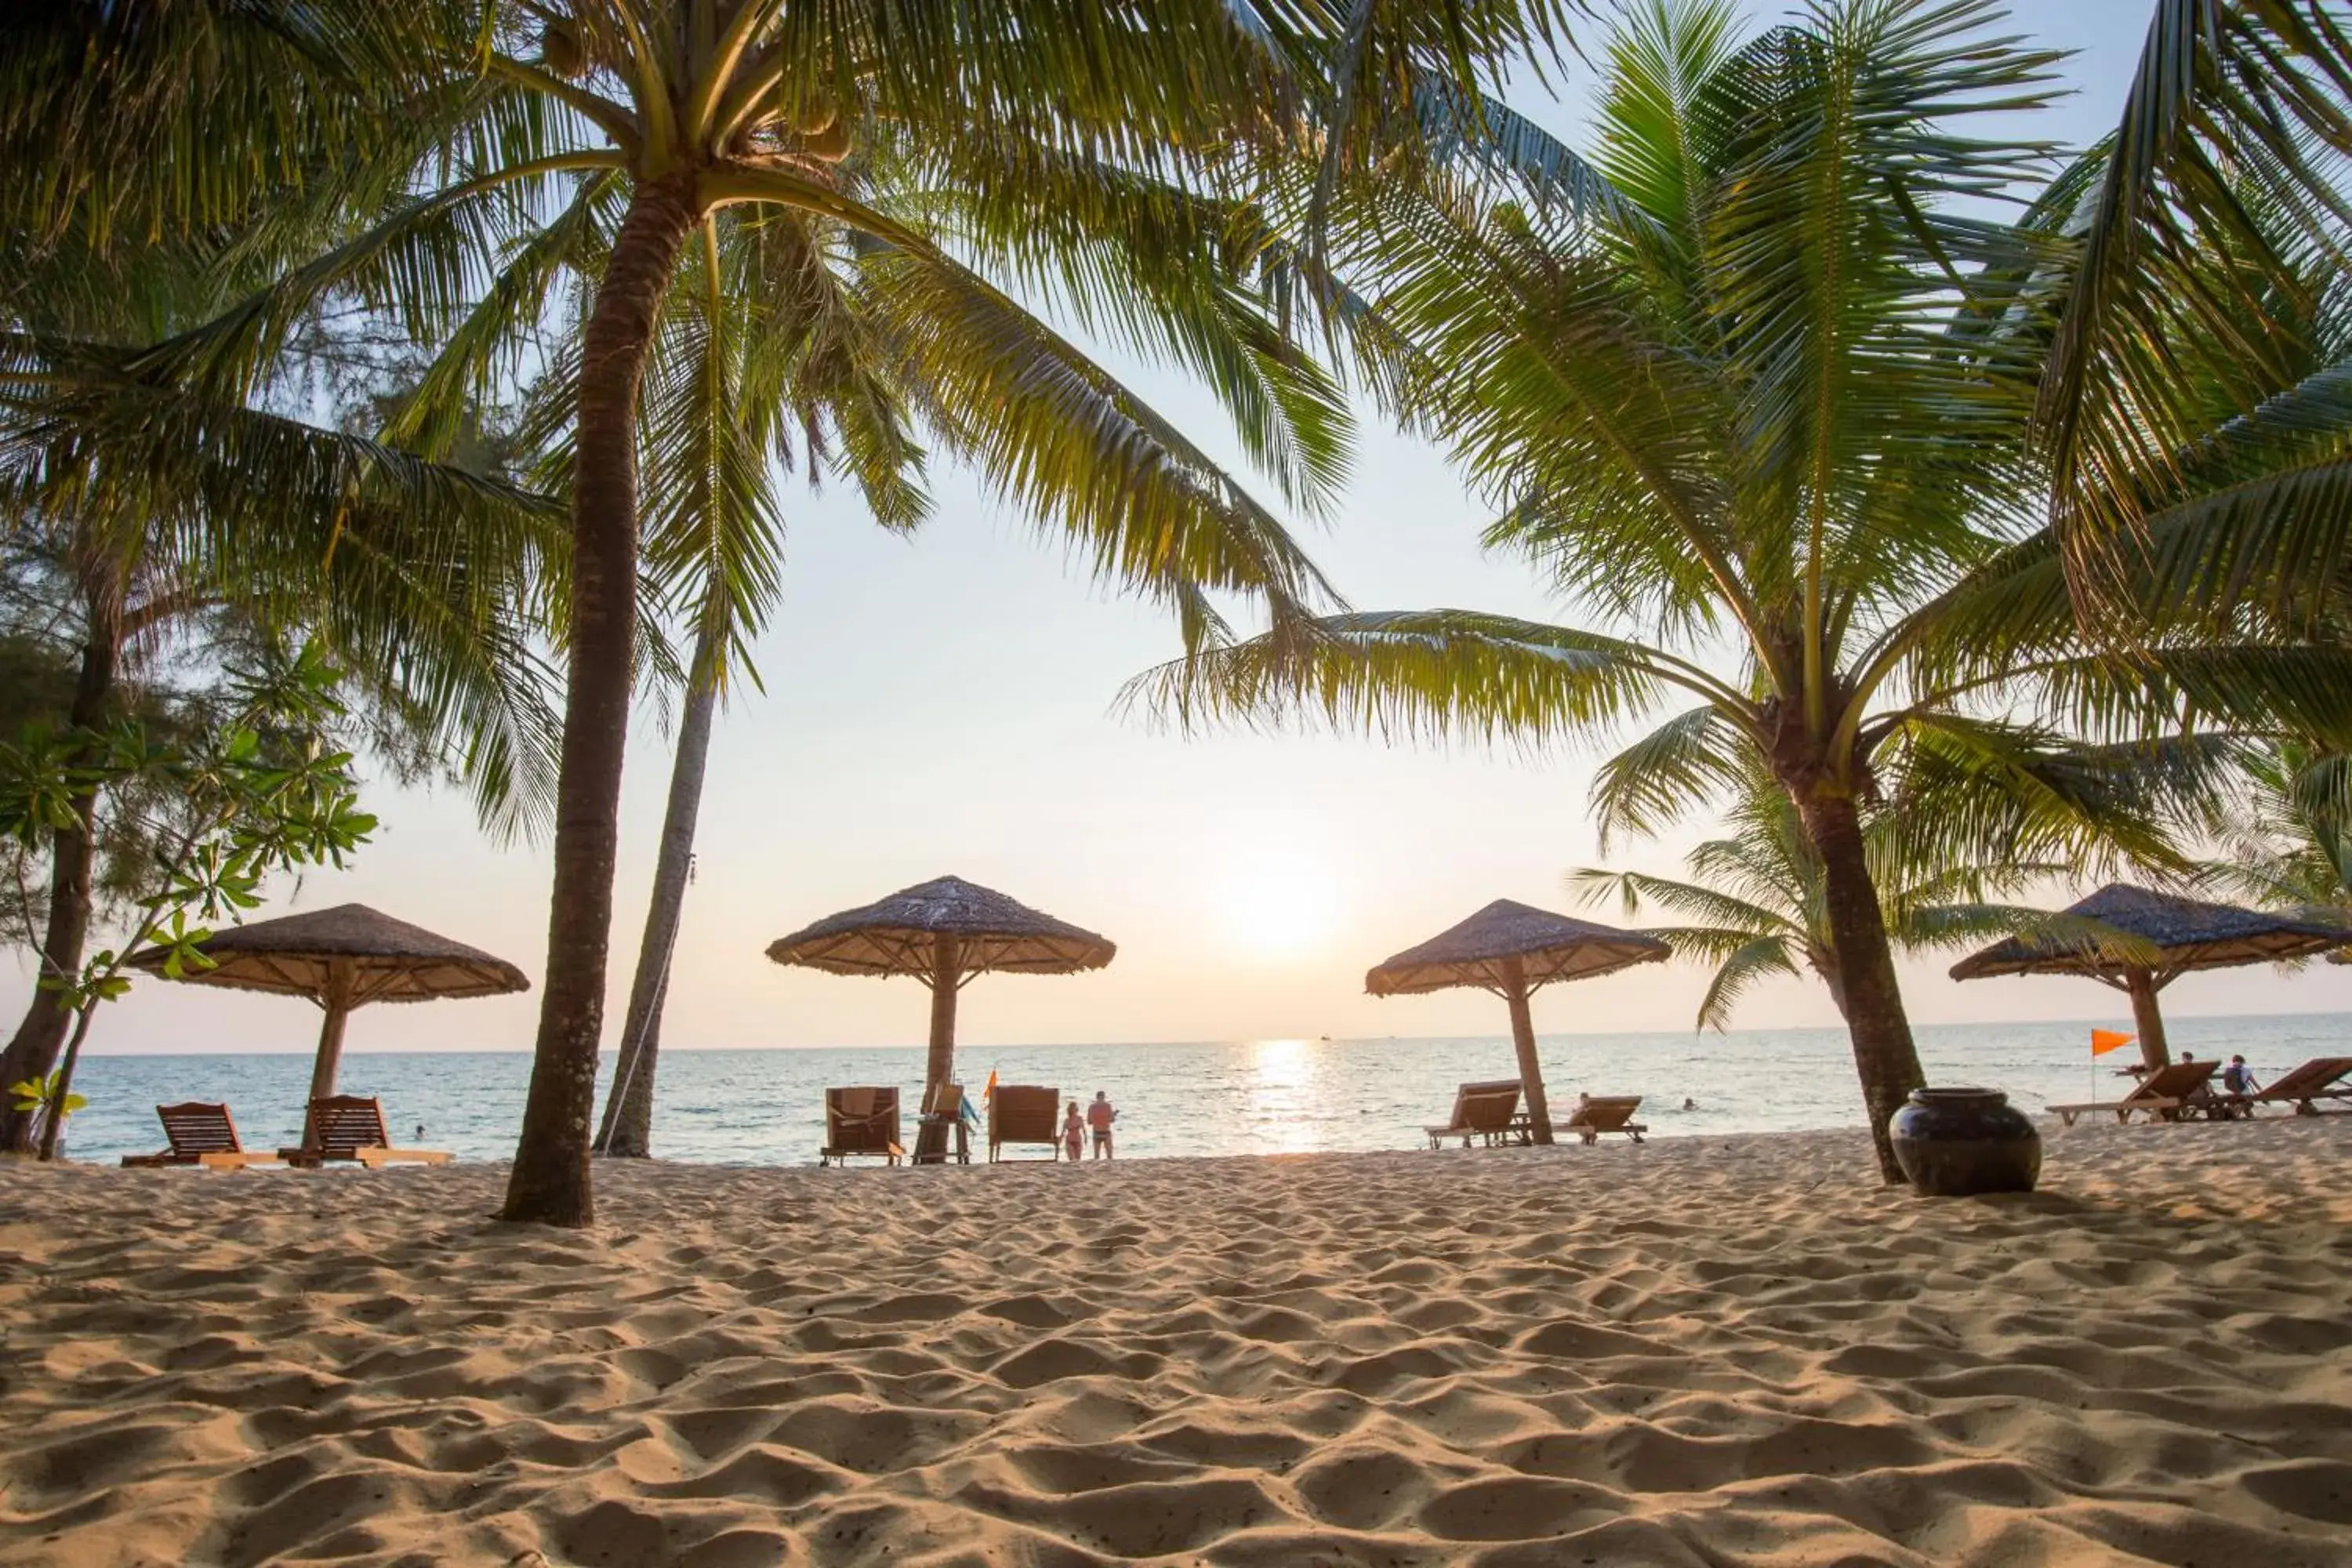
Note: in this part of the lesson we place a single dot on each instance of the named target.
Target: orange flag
(988, 1093)
(2105, 1040)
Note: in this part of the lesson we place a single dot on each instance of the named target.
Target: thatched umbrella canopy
(2185, 933)
(343, 958)
(943, 932)
(1511, 949)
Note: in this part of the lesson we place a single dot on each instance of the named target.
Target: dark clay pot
(1957, 1143)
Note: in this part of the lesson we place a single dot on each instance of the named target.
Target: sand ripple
(1683, 1354)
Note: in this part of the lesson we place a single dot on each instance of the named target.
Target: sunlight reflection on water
(1283, 1094)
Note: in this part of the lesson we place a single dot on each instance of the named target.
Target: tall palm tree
(145, 151)
(1777, 420)
(760, 372)
(1088, 148)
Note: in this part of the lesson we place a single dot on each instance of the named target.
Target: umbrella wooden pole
(337, 1000)
(946, 971)
(1523, 1038)
(2149, 1017)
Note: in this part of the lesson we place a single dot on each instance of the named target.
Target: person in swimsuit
(1100, 1115)
(1073, 1135)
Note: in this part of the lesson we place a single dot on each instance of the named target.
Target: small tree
(1755, 901)
(2288, 842)
(260, 789)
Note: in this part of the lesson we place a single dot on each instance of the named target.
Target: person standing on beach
(1074, 1133)
(1100, 1115)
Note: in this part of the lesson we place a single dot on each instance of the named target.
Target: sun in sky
(1275, 901)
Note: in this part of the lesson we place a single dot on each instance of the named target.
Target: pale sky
(944, 705)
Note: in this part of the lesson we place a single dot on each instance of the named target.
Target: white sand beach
(1683, 1354)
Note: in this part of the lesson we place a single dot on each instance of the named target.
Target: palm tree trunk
(550, 1183)
(1884, 1054)
(33, 1050)
(628, 1126)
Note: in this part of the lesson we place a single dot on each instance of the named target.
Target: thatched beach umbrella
(942, 932)
(1511, 949)
(2185, 933)
(343, 958)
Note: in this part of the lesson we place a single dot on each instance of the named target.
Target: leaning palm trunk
(550, 1183)
(1867, 991)
(628, 1125)
(33, 1050)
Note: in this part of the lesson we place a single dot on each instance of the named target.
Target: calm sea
(1256, 1097)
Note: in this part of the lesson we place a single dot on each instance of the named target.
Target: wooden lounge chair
(941, 1124)
(2321, 1078)
(1023, 1113)
(862, 1121)
(199, 1134)
(1489, 1110)
(1599, 1113)
(2168, 1094)
(351, 1127)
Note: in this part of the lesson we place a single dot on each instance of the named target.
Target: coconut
(830, 145)
(561, 48)
(812, 113)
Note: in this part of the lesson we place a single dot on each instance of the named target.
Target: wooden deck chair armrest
(225, 1161)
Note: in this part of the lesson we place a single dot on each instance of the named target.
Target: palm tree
(753, 355)
(1089, 154)
(177, 523)
(162, 520)
(1777, 416)
(1755, 903)
(2287, 839)
(145, 151)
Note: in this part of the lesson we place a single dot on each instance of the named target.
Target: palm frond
(1436, 675)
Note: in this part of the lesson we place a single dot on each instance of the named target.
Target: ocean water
(1253, 1097)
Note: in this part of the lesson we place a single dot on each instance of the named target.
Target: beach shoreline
(1737, 1348)
(765, 1106)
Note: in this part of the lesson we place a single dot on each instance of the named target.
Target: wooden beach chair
(199, 1134)
(862, 1121)
(941, 1125)
(2321, 1078)
(1489, 1110)
(2168, 1094)
(1023, 1113)
(349, 1126)
(1599, 1113)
